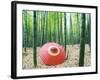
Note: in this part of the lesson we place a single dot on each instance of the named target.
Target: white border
(33, 72)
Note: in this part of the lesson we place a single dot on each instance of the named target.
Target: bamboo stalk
(25, 31)
(71, 29)
(89, 31)
(34, 40)
(46, 26)
(82, 41)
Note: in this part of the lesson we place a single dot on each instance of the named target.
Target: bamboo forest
(72, 30)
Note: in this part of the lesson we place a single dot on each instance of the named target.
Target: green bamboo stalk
(46, 26)
(89, 30)
(78, 24)
(50, 36)
(25, 31)
(82, 41)
(76, 28)
(39, 30)
(37, 24)
(61, 33)
(57, 28)
(29, 29)
(65, 29)
(86, 29)
(42, 28)
(71, 29)
(49, 26)
(34, 40)
(58, 22)
(54, 26)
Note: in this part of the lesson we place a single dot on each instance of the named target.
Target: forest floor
(73, 58)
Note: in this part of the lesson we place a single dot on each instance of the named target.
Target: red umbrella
(52, 54)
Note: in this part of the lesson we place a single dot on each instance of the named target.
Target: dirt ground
(73, 58)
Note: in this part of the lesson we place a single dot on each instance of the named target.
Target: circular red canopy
(52, 53)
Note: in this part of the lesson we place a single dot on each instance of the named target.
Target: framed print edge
(96, 39)
(14, 39)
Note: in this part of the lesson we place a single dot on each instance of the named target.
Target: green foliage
(53, 26)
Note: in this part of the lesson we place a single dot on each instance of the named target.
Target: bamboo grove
(40, 27)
